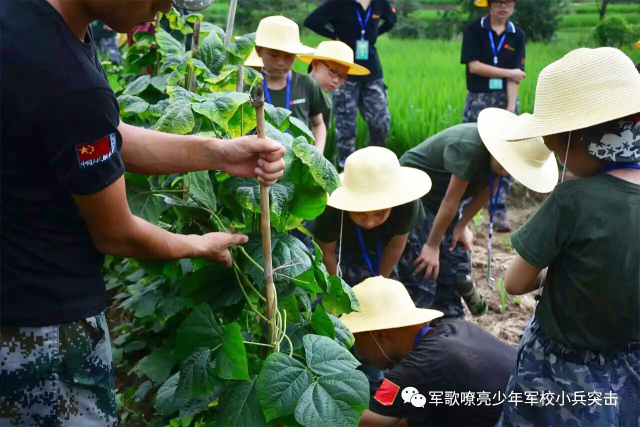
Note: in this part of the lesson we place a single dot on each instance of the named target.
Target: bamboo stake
(158, 56)
(195, 42)
(265, 225)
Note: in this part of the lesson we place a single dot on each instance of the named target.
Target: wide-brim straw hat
(193, 4)
(385, 304)
(254, 60)
(339, 52)
(585, 88)
(638, 45)
(280, 33)
(481, 3)
(529, 161)
(374, 180)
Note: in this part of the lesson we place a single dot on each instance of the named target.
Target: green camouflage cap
(193, 4)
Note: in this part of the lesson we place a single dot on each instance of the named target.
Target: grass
(590, 20)
(612, 8)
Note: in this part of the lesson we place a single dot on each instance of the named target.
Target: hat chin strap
(566, 156)
(380, 347)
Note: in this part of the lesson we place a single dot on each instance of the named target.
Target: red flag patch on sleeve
(386, 393)
(97, 151)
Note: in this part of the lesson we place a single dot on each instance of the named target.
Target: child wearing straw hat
(464, 163)
(277, 44)
(330, 66)
(442, 372)
(582, 247)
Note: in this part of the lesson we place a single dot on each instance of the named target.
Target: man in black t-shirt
(64, 152)
(441, 373)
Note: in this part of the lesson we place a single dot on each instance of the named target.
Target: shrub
(613, 31)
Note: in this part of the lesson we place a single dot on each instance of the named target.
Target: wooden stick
(195, 42)
(158, 56)
(265, 226)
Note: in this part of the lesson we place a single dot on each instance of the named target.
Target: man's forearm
(445, 215)
(149, 152)
(512, 95)
(478, 202)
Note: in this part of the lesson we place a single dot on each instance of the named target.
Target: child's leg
(345, 113)
(374, 106)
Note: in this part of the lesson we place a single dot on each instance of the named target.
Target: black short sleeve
(520, 54)
(326, 227)
(414, 215)
(80, 136)
(471, 46)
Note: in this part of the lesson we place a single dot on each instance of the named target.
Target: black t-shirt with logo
(307, 99)
(476, 46)
(58, 131)
(461, 370)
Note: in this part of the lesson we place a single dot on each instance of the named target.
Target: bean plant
(202, 327)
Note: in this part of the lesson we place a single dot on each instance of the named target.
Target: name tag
(362, 50)
(495, 84)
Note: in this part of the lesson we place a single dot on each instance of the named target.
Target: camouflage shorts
(477, 102)
(372, 100)
(582, 388)
(442, 294)
(57, 375)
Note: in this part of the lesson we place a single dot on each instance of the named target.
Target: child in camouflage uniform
(364, 228)
(579, 357)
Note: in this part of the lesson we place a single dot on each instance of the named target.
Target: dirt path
(509, 324)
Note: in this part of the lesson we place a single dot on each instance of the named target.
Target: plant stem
(247, 297)
(247, 281)
(250, 259)
(290, 345)
(257, 343)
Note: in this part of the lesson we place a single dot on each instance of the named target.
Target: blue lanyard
(423, 331)
(366, 254)
(363, 25)
(493, 205)
(493, 46)
(620, 166)
(267, 95)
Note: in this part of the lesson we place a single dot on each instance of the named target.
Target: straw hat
(529, 161)
(374, 180)
(585, 88)
(339, 52)
(280, 33)
(193, 4)
(254, 60)
(482, 3)
(385, 304)
(638, 45)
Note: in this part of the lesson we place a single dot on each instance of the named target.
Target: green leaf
(343, 335)
(141, 200)
(167, 44)
(298, 128)
(239, 406)
(132, 105)
(340, 298)
(157, 110)
(178, 93)
(289, 256)
(249, 197)
(192, 407)
(157, 366)
(335, 400)
(232, 358)
(170, 306)
(212, 53)
(277, 115)
(200, 69)
(208, 28)
(138, 85)
(295, 334)
(199, 329)
(165, 402)
(320, 168)
(309, 202)
(142, 391)
(242, 121)
(325, 356)
(197, 375)
(159, 82)
(174, 61)
(201, 189)
(321, 323)
(281, 384)
(177, 119)
(290, 305)
(241, 48)
(221, 109)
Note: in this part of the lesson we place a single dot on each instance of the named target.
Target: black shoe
(500, 223)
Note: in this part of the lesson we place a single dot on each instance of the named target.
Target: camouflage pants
(371, 98)
(475, 103)
(582, 388)
(442, 294)
(57, 375)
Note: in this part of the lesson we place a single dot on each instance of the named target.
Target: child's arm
(522, 277)
(319, 131)
(389, 16)
(329, 256)
(429, 258)
(512, 95)
(391, 253)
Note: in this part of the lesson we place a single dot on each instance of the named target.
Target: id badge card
(362, 50)
(495, 84)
